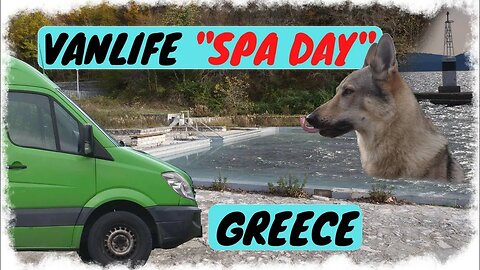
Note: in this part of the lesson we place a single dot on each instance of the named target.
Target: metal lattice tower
(448, 39)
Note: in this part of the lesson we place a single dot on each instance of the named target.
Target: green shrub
(200, 96)
(381, 193)
(294, 101)
(289, 186)
(232, 93)
(219, 183)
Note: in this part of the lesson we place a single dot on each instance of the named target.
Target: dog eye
(347, 91)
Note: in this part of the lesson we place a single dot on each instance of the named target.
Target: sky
(432, 42)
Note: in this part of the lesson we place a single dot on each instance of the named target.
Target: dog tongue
(307, 128)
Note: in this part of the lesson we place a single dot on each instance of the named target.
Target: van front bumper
(176, 224)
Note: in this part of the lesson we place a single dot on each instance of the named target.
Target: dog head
(364, 99)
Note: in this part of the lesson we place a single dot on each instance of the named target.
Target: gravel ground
(390, 233)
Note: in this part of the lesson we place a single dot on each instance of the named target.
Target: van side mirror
(85, 144)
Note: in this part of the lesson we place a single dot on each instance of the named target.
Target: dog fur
(395, 138)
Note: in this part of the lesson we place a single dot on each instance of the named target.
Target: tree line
(210, 92)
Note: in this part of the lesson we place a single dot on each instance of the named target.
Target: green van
(73, 187)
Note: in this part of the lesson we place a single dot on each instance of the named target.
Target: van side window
(68, 130)
(29, 121)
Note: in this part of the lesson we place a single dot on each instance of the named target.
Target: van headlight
(179, 184)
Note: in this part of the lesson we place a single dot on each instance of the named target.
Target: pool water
(326, 163)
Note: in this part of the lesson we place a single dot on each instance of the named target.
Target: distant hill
(430, 62)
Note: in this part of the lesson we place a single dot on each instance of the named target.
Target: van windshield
(90, 119)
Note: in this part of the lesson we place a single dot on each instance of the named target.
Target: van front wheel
(120, 237)
(83, 254)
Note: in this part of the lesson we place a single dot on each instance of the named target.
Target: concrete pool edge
(172, 151)
(341, 193)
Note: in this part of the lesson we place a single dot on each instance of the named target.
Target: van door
(49, 180)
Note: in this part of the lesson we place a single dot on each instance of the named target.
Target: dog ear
(370, 54)
(385, 61)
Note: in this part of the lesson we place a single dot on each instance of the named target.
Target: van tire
(84, 255)
(119, 237)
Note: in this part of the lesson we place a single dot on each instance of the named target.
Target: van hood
(164, 164)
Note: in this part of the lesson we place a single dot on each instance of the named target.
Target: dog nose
(312, 120)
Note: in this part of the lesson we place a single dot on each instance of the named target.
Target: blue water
(335, 163)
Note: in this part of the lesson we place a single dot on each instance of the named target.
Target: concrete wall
(87, 89)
